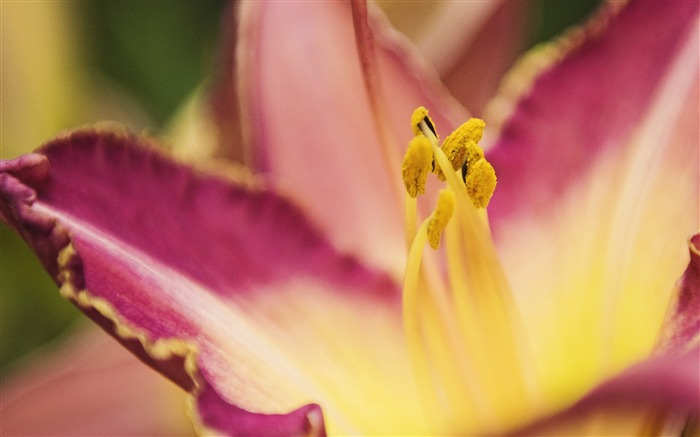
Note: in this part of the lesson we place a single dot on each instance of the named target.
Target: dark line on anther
(464, 172)
(430, 125)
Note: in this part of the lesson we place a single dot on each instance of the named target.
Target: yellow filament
(456, 153)
(458, 142)
(418, 119)
(425, 129)
(410, 219)
(419, 359)
(464, 337)
(500, 352)
(416, 165)
(453, 181)
(436, 350)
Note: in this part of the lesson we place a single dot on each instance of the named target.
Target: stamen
(462, 143)
(456, 153)
(473, 154)
(456, 144)
(464, 337)
(481, 182)
(481, 185)
(416, 165)
(441, 217)
(410, 214)
(420, 115)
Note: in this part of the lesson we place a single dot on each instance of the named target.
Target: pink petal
(222, 287)
(598, 189)
(473, 69)
(664, 388)
(312, 125)
(586, 104)
(89, 385)
(682, 325)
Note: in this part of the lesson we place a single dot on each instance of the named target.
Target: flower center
(464, 337)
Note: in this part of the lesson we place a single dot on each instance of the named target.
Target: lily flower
(304, 301)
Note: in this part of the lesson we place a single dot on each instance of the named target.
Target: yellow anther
(456, 152)
(474, 153)
(472, 129)
(481, 182)
(462, 145)
(441, 217)
(421, 115)
(417, 163)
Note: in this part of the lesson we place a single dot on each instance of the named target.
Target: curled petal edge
(518, 82)
(639, 388)
(175, 358)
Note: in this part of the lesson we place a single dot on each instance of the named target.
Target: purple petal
(215, 283)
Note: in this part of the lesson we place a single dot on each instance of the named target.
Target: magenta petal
(682, 325)
(214, 283)
(661, 385)
(586, 104)
(597, 170)
(224, 417)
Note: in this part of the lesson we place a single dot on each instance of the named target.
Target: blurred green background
(133, 61)
(144, 57)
